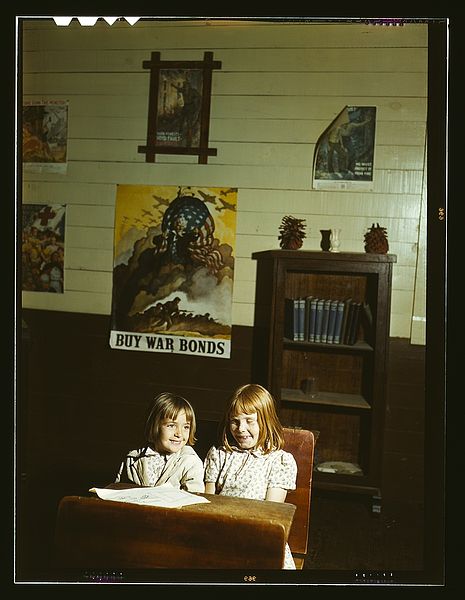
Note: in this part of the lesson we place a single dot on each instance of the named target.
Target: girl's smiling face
(245, 430)
(174, 433)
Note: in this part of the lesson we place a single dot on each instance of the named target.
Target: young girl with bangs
(250, 461)
(167, 455)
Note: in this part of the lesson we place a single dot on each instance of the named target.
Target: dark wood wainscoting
(81, 406)
(87, 402)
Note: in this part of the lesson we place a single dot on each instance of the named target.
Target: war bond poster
(173, 269)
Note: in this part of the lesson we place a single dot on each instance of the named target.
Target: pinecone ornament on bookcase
(376, 241)
(291, 233)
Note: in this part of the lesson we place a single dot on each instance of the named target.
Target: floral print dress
(249, 474)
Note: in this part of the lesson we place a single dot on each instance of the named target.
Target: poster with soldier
(179, 107)
(173, 269)
(344, 155)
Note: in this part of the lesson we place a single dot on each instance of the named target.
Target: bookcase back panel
(333, 286)
(338, 434)
(334, 373)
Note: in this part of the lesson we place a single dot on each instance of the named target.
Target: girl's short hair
(168, 406)
(253, 398)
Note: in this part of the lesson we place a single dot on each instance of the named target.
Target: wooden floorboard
(345, 535)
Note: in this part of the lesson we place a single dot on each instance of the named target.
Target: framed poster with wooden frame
(179, 107)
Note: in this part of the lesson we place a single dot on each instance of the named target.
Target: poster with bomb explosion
(173, 269)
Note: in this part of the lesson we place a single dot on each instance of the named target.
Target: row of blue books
(323, 320)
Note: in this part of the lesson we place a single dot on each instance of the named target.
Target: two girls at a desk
(248, 463)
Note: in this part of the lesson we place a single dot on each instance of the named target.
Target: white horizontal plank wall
(280, 86)
(418, 334)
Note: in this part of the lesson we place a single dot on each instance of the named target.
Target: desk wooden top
(275, 512)
(234, 508)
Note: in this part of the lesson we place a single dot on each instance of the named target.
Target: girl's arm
(211, 470)
(210, 488)
(192, 480)
(276, 494)
(282, 478)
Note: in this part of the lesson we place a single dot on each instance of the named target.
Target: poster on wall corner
(173, 269)
(344, 153)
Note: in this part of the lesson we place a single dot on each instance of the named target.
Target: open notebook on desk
(164, 495)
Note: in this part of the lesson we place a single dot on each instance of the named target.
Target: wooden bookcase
(348, 410)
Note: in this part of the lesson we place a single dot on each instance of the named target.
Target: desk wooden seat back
(300, 443)
(227, 533)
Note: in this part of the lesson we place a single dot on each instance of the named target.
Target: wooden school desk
(226, 533)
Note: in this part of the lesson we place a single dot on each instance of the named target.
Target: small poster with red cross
(43, 248)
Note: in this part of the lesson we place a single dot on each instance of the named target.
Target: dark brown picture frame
(179, 107)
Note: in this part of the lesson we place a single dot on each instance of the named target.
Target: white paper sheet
(163, 495)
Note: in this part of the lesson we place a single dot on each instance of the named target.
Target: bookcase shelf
(348, 409)
(359, 346)
(325, 399)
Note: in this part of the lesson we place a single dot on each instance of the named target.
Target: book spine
(354, 324)
(350, 316)
(332, 321)
(301, 321)
(338, 323)
(319, 319)
(308, 301)
(324, 324)
(311, 335)
(345, 319)
(295, 332)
